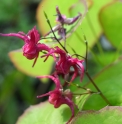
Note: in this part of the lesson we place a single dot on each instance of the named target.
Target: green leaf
(111, 20)
(108, 57)
(27, 91)
(109, 80)
(9, 108)
(81, 99)
(9, 85)
(9, 11)
(107, 115)
(45, 113)
(25, 65)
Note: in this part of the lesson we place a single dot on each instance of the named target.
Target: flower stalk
(101, 94)
(48, 21)
(87, 74)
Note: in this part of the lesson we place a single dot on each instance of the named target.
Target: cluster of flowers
(64, 62)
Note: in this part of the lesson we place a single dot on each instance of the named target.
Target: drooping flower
(57, 97)
(65, 62)
(31, 47)
(61, 21)
(62, 32)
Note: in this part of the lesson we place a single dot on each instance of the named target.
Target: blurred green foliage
(17, 91)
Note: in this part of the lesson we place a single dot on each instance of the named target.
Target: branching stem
(101, 94)
(85, 93)
(54, 33)
(87, 74)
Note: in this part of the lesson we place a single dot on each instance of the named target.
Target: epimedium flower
(31, 47)
(57, 97)
(66, 26)
(65, 62)
(61, 21)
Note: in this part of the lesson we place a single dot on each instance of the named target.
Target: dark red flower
(57, 97)
(65, 62)
(31, 47)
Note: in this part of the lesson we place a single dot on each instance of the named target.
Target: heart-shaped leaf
(45, 113)
(107, 115)
(25, 65)
(110, 17)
